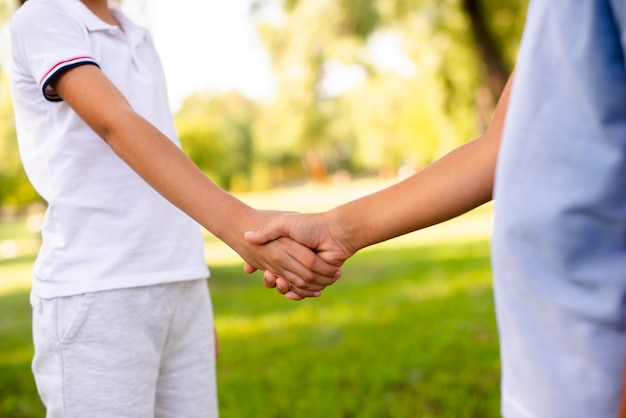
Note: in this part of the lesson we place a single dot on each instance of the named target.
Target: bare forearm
(149, 153)
(171, 173)
(455, 184)
(460, 181)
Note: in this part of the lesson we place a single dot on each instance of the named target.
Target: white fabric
(105, 228)
(145, 352)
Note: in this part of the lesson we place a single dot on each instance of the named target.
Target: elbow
(106, 134)
(115, 128)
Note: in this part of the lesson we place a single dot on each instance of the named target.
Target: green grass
(408, 331)
(18, 397)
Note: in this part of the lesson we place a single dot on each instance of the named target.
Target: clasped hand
(310, 230)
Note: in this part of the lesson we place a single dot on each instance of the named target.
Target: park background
(302, 105)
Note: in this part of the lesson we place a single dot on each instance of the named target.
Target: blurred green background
(446, 63)
(409, 330)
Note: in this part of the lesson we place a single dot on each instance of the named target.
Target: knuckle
(309, 277)
(309, 260)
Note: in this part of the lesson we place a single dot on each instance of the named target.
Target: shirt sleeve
(47, 40)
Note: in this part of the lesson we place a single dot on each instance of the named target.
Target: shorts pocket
(72, 313)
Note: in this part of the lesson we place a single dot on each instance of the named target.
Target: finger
(295, 291)
(293, 296)
(304, 268)
(282, 285)
(248, 269)
(294, 279)
(269, 279)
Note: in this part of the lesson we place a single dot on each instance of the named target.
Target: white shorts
(138, 352)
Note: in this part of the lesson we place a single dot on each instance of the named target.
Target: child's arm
(169, 171)
(456, 183)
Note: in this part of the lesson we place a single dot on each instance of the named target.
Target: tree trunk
(495, 68)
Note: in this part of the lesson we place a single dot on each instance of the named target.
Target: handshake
(301, 254)
(312, 249)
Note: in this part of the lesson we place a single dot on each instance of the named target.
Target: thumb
(263, 235)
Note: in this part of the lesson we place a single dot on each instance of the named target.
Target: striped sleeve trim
(48, 92)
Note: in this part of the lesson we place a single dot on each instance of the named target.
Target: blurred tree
(494, 26)
(15, 189)
(299, 51)
(403, 125)
(463, 51)
(487, 48)
(460, 51)
(215, 132)
(7, 7)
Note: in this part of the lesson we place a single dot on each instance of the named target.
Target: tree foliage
(15, 189)
(215, 132)
(462, 50)
(426, 74)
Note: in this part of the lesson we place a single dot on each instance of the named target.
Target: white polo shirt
(105, 228)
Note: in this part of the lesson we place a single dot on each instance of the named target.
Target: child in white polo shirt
(122, 320)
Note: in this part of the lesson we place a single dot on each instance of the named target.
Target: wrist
(344, 229)
(231, 224)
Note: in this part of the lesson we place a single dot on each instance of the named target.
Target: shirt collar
(94, 23)
(82, 12)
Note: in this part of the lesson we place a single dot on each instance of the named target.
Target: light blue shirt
(559, 243)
